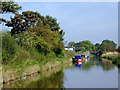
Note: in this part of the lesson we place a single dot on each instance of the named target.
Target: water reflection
(89, 74)
(92, 74)
(55, 80)
(77, 65)
(106, 65)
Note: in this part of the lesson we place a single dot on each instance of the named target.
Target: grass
(114, 58)
(30, 62)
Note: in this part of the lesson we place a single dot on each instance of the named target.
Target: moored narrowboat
(77, 59)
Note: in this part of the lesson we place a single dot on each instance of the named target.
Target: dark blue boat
(77, 58)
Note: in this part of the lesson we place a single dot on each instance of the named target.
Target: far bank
(112, 56)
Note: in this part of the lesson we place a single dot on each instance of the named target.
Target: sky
(94, 21)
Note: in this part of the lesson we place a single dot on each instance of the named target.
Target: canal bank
(114, 57)
(12, 75)
(92, 74)
(47, 72)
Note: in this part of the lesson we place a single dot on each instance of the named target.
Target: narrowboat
(77, 59)
(83, 57)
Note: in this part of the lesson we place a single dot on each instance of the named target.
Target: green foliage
(9, 47)
(30, 19)
(105, 46)
(52, 22)
(61, 35)
(97, 46)
(34, 30)
(71, 44)
(114, 58)
(84, 46)
(102, 48)
(118, 49)
(69, 54)
(34, 39)
(24, 21)
(111, 44)
(8, 7)
(45, 40)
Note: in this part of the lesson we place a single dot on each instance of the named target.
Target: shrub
(9, 46)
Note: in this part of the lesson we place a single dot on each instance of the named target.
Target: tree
(102, 48)
(71, 44)
(105, 46)
(9, 7)
(84, 46)
(111, 45)
(61, 35)
(21, 22)
(97, 45)
(82, 49)
(96, 49)
(118, 49)
(30, 19)
(52, 22)
(41, 37)
(54, 26)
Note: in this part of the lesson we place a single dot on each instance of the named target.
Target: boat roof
(77, 56)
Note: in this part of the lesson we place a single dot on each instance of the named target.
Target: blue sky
(94, 21)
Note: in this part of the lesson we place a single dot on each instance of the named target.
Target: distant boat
(84, 57)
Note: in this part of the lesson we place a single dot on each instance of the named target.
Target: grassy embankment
(115, 58)
(22, 56)
(26, 63)
(48, 76)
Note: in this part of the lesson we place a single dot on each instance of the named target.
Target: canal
(91, 74)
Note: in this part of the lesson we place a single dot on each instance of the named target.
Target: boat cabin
(78, 57)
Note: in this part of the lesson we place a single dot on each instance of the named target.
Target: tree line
(97, 49)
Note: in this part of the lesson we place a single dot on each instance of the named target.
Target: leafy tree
(9, 7)
(61, 35)
(42, 38)
(54, 26)
(118, 49)
(30, 19)
(21, 22)
(52, 22)
(111, 45)
(82, 49)
(102, 48)
(40, 29)
(97, 45)
(105, 46)
(71, 44)
(96, 49)
(84, 46)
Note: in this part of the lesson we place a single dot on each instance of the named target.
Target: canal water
(91, 74)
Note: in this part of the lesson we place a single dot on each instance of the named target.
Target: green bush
(9, 47)
(115, 59)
